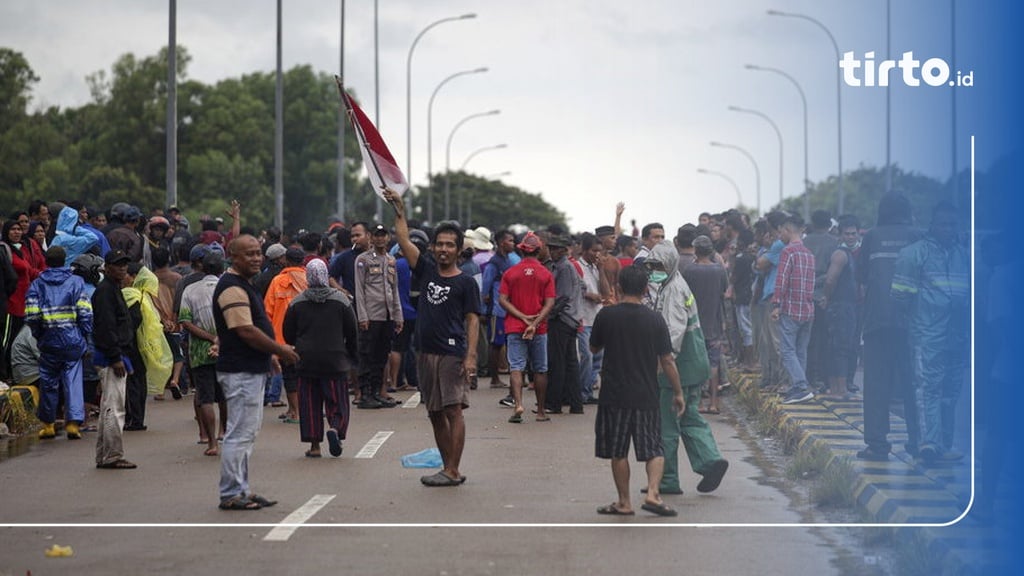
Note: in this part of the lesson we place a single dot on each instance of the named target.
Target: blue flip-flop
(334, 442)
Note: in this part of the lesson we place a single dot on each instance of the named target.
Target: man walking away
(635, 341)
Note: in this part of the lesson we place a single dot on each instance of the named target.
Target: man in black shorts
(635, 341)
(447, 331)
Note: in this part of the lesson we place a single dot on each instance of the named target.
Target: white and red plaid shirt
(794, 284)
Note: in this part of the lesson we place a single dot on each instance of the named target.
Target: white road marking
(413, 401)
(374, 444)
(291, 523)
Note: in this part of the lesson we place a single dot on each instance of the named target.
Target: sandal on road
(262, 501)
(211, 452)
(239, 503)
(118, 465)
(334, 442)
(613, 510)
(659, 508)
(516, 418)
(440, 479)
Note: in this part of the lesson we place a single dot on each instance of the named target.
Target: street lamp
(448, 157)
(757, 170)
(803, 99)
(777, 133)
(839, 94)
(739, 199)
(463, 168)
(478, 151)
(430, 138)
(408, 88)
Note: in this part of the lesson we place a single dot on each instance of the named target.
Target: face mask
(658, 276)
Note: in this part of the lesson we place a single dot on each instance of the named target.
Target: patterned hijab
(316, 273)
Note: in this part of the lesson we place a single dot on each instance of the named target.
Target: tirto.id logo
(934, 71)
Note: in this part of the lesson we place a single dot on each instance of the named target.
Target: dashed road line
(413, 401)
(371, 447)
(283, 532)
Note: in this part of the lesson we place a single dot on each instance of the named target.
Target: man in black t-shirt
(635, 341)
(447, 326)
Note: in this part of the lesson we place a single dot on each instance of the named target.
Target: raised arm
(411, 252)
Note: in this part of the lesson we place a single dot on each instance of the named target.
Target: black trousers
(887, 375)
(374, 347)
(817, 349)
(135, 394)
(563, 368)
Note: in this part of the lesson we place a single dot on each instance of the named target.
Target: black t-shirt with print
(633, 337)
(441, 312)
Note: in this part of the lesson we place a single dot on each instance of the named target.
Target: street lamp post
(839, 95)
(430, 138)
(778, 134)
(462, 168)
(408, 89)
(341, 125)
(739, 198)
(757, 169)
(803, 100)
(479, 151)
(448, 157)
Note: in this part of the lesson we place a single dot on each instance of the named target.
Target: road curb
(894, 492)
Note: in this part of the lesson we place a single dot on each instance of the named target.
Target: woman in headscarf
(26, 273)
(311, 326)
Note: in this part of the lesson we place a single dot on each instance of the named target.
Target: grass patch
(809, 462)
(913, 557)
(834, 488)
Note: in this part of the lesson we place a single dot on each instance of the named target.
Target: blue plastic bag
(429, 458)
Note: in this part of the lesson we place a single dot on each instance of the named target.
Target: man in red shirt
(793, 308)
(527, 293)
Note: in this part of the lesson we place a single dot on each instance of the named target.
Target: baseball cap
(116, 257)
(419, 237)
(559, 241)
(378, 230)
(604, 231)
(294, 255)
(87, 261)
(530, 244)
(275, 251)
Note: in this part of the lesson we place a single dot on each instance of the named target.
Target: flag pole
(358, 129)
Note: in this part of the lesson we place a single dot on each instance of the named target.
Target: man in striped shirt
(793, 308)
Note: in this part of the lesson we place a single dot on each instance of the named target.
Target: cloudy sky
(601, 100)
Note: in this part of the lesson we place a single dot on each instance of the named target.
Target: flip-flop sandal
(211, 452)
(334, 443)
(659, 508)
(440, 479)
(118, 465)
(542, 419)
(175, 392)
(516, 419)
(311, 454)
(262, 501)
(239, 503)
(613, 510)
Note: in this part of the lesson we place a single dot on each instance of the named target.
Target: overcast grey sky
(602, 100)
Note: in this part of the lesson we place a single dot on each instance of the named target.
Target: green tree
(489, 203)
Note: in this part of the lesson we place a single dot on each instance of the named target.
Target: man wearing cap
(609, 264)
(246, 344)
(527, 293)
(282, 290)
(483, 249)
(59, 314)
(379, 313)
(563, 325)
(156, 236)
(275, 263)
(447, 332)
(709, 280)
(113, 335)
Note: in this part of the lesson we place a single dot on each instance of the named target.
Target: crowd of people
(105, 310)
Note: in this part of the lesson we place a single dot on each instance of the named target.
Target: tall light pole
(778, 134)
(408, 90)
(757, 169)
(341, 124)
(430, 138)
(379, 212)
(172, 104)
(448, 158)
(462, 168)
(479, 151)
(279, 133)
(803, 100)
(739, 198)
(839, 94)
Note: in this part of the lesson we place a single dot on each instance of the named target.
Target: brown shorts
(441, 381)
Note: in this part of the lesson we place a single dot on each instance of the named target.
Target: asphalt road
(540, 478)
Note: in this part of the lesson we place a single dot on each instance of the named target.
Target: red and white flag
(381, 167)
